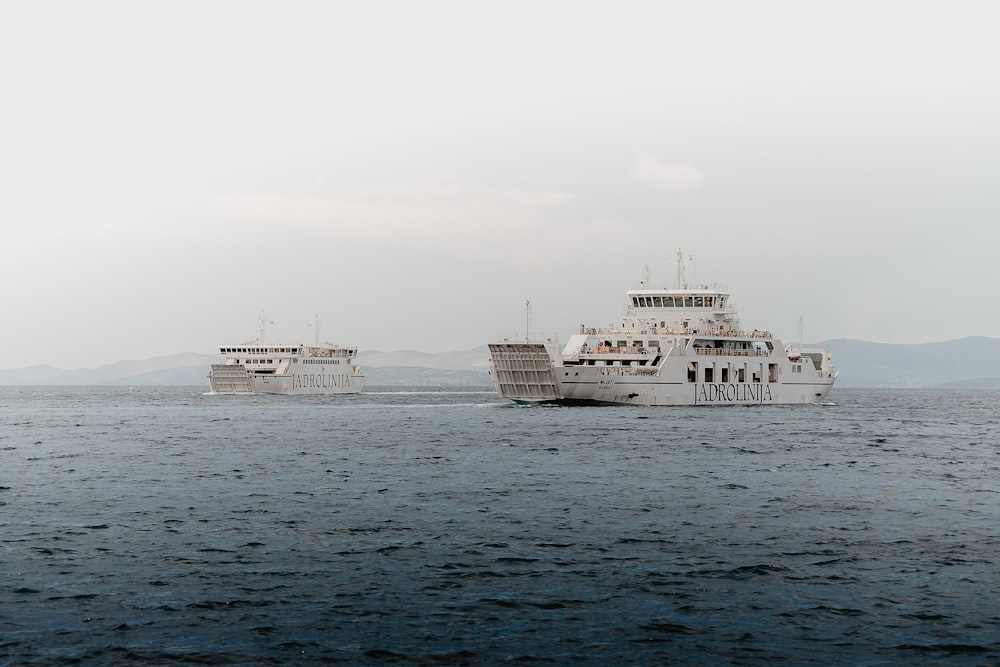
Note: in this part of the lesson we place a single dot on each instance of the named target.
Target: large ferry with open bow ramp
(681, 346)
(261, 367)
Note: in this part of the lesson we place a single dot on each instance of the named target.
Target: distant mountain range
(964, 363)
(402, 368)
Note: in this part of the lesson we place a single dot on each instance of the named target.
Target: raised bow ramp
(523, 372)
(230, 379)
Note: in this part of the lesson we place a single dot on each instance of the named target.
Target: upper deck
(309, 351)
(684, 310)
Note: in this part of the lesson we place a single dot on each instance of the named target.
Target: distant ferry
(682, 346)
(257, 367)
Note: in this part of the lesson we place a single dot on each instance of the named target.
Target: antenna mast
(527, 321)
(680, 269)
(263, 327)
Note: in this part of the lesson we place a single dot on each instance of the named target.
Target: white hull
(317, 381)
(528, 373)
(663, 391)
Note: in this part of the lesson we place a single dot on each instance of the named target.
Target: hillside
(963, 363)
(402, 368)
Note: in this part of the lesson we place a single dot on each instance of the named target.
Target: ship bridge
(699, 309)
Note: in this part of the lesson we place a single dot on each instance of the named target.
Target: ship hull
(527, 373)
(235, 379)
(655, 392)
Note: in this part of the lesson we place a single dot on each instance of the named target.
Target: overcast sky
(413, 172)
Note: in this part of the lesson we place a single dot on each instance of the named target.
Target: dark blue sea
(161, 525)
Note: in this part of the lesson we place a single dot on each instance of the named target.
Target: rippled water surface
(163, 525)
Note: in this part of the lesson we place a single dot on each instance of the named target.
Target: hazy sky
(413, 172)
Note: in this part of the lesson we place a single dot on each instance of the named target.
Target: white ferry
(259, 367)
(682, 346)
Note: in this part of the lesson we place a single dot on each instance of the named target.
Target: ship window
(635, 301)
(654, 343)
(689, 302)
(698, 302)
(658, 301)
(709, 300)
